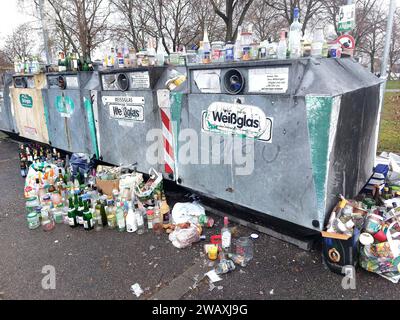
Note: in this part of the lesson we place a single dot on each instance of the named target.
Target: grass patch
(394, 84)
(389, 136)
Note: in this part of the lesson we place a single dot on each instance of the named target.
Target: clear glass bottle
(139, 219)
(131, 223)
(282, 46)
(317, 43)
(120, 217)
(295, 36)
(226, 235)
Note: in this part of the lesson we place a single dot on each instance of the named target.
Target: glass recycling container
(68, 101)
(30, 113)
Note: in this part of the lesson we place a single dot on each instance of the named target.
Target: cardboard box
(107, 186)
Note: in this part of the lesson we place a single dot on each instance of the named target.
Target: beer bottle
(87, 217)
(72, 214)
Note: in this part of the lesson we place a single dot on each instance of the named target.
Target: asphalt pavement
(104, 265)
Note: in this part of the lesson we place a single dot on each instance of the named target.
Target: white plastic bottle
(131, 223)
(160, 56)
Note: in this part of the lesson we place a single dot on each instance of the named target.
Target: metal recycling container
(7, 120)
(69, 106)
(283, 138)
(27, 100)
(127, 112)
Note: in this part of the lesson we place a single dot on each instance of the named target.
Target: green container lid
(32, 215)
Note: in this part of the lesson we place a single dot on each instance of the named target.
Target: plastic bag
(183, 238)
(187, 212)
(131, 181)
(394, 173)
(80, 163)
(383, 258)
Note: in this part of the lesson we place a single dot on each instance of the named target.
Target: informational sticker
(26, 101)
(208, 81)
(72, 82)
(240, 120)
(126, 109)
(347, 18)
(269, 80)
(140, 80)
(65, 106)
(29, 131)
(133, 113)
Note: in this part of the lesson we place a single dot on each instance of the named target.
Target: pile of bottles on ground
(374, 217)
(292, 44)
(77, 192)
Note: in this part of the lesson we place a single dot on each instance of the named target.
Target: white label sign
(269, 80)
(126, 108)
(208, 81)
(236, 119)
(72, 82)
(132, 113)
(140, 80)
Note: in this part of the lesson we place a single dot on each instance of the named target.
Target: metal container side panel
(68, 123)
(352, 158)
(31, 118)
(282, 183)
(125, 142)
(277, 181)
(6, 112)
(203, 158)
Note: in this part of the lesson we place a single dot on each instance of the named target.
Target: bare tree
(230, 11)
(134, 23)
(18, 43)
(308, 9)
(267, 21)
(83, 23)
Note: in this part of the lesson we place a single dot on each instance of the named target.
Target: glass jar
(246, 53)
(33, 220)
(206, 57)
(150, 219)
(245, 248)
(254, 51)
(46, 202)
(48, 223)
(58, 214)
(217, 49)
(174, 58)
(56, 198)
(229, 52)
(111, 217)
(191, 57)
(31, 205)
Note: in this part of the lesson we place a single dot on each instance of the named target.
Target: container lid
(31, 199)
(46, 198)
(375, 216)
(32, 215)
(150, 213)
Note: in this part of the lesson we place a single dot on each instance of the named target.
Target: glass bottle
(295, 36)
(226, 235)
(72, 214)
(139, 219)
(87, 217)
(120, 217)
(131, 223)
(282, 46)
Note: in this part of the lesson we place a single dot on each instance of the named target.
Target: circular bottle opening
(234, 81)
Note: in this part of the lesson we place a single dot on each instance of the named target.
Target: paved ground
(104, 265)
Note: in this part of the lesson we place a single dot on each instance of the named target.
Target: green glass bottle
(72, 214)
(81, 209)
(87, 217)
(103, 214)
